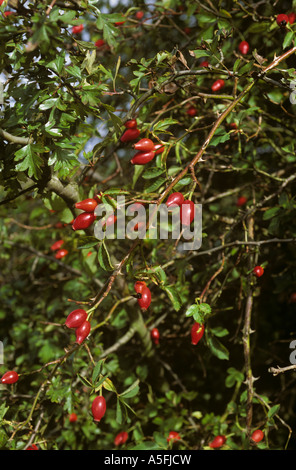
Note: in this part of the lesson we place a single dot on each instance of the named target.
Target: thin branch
(280, 370)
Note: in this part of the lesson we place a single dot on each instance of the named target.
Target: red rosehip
(87, 205)
(139, 15)
(129, 135)
(257, 435)
(139, 286)
(10, 377)
(119, 23)
(204, 63)
(73, 417)
(258, 271)
(191, 111)
(8, 13)
(82, 331)
(145, 299)
(187, 212)
(282, 20)
(218, 85)
(111, 219)
(61, 253)
(32, 447)
(187, 30)
(155, 335)
(76, 318)
(99, 43)
(57, 245)
(83, 221)
(141, 158)
(77, 29)
(175, 199)
(291, 18)
(217, 442)
(131, 124)
(144, 145)
(173, 436)
(241, 201)
(121, 438)
(158, 148)
(98, 408)
(244, 47)
(197, 332)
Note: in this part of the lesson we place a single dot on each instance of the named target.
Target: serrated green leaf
(87, 242)
(173, 296)
(104, 258)
(218, 349)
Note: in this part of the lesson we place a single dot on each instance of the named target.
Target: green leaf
(151, 173)
(131, 391)
(218, 349)
(201, 53)
(97, 370)
(173, 296)
(104, 258)
(273, 410)
(288, 39)
(193, 309)
(87, 242)
(31, 162)
(270, 213)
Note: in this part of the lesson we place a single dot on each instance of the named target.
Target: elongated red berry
(158, 148)
(141, 158)
(131, 124)
(155, 335)
(144, 145)
(77, 29)
(175, 199)
(257, 435)
(187, 212)
(61, 253)
(32, 447)
(98, 408)
(244, 47)
(87, 205)
(83, 221)
(282, 19)
(73, 417)
(139, 286)
(76, 318)
(191, 111)
(217, 442)
(204, 63)
(145, 299)
(173, 436)
(197, 332)
(10, 377)
(139, 14)
(82, 331)
(57, 245)
(111, 219)
(241, 201)
(258, 271)
(291, 18)
(121, 438)
(218, 84)
(130, 135)
(99, 43)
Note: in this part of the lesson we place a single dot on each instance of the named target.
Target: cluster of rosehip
(146, 149)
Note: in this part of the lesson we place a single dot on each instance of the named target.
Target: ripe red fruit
(32, 447)
(204, 63)
(77, 29)
(87, 205)
(291, 18)
(57, 245)
(131, 124)
(73, 417)
(121, 438)
(258, 271)
(282, 20)
(8, 13)
(187, 212)
(141, 158)
(241, 201)
(144, 145)
(158, 148)
(139, 286)
(61, 253)
(139, 15)
(197, 332)
(98, 408)
(293, 297)
(10, 377)
(82, 331)
(217, 442)
(175, 198)
(129, 135)
(99, 43)
(191, 111)
(119, 23)
(145, 299)
(173, 436)
(155, 335)
(257, 435)
(76, 318)
(218, 84)
(83, 221)
(244, 47)
(111, 219)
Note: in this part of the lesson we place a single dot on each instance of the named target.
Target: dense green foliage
(65, 102)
